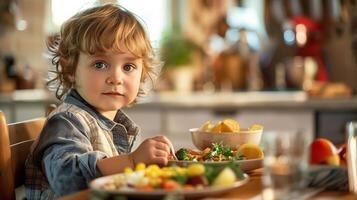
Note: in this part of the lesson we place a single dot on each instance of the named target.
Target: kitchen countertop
(258, 100)
(27, 96)
(237, 100)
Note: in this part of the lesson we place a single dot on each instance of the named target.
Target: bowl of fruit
(227, 132)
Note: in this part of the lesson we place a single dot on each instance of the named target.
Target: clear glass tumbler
(286, 162)
(352, 156)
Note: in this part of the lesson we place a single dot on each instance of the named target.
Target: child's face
(108, 82)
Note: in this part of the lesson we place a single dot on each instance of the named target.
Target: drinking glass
(352, 156)
(285, 163)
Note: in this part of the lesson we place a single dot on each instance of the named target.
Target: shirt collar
(74, 98)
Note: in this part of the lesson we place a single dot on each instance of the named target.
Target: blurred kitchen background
(285, 64)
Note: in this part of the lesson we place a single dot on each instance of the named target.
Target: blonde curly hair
(101, 29)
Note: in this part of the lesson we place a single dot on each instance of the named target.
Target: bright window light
(154, 22)
(243, 17)
(64, 9)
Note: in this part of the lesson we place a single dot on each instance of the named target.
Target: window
(64, 9)
(154, 22)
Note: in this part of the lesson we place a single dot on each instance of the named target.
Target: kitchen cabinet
(332, 124)
(270, 119)
(21, 111)
(25, 104)
(8, 110)
(149, 121)
(25, 111)
(175, 123)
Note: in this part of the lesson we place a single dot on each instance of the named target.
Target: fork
(173, 152)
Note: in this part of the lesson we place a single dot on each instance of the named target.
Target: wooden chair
(15, 142)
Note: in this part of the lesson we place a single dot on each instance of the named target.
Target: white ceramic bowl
(203, 139)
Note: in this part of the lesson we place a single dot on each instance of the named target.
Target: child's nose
(115, 78)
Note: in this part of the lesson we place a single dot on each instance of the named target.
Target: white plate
(97, 190)
(245, 165)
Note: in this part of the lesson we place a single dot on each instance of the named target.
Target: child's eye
(128, 67)
(100, 65)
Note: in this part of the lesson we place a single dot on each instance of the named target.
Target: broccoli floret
(219, 149)
(182, 154)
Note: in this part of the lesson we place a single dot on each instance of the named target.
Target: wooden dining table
(251, 190)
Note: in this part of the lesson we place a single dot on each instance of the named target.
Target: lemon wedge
(225, 177)
(207, 126)
(230, 125)
(226, 127)
(255, 127)
(218, 127)
(250, 151)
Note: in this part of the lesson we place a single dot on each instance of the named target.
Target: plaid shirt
(63, 158)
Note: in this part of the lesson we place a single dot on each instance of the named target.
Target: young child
(103, 58)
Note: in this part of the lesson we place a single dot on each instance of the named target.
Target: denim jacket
(63, 158)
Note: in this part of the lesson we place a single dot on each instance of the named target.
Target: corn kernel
(140, 166)
(154, 167)
(152, 174)
(155, 181)
(128, 170)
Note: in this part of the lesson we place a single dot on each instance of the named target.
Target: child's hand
(153, 150)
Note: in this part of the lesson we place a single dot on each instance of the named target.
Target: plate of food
(153, 182)
(248, 156)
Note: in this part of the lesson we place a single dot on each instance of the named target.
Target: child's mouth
(112, 94)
